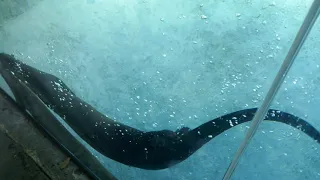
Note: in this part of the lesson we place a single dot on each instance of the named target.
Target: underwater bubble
(273, 3)
(155, 124)
(270, 56)
(203, 17)
(295, 81)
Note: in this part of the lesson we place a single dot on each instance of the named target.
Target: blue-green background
(161, 64)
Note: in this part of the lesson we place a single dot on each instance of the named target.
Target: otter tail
(207, 131)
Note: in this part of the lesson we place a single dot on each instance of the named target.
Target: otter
(152, 150)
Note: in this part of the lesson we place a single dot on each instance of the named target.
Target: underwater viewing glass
(169, 89)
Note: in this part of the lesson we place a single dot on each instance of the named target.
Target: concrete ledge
(25, 151)
(18, 165)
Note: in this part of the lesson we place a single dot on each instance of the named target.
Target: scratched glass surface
(162, 65)
(282, 151)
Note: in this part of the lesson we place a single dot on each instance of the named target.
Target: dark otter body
(127, 145)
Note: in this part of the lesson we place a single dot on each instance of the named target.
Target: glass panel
(283, 151)
(162, 65)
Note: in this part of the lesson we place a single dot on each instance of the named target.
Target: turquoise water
(156, 65)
